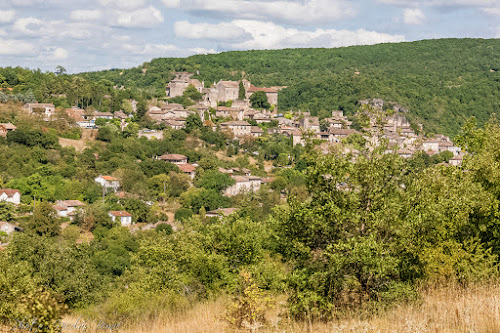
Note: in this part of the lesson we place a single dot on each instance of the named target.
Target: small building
(256, 131)
(221, 212)
(121, 216)
(44, 110)
(10, 195)
(238, 128)
(173, 158)
(66, 208)
(103, 115)
(243, 184)
(456, 161)
(188, 169)
(150, 134)
(5, 128)
(108, 182)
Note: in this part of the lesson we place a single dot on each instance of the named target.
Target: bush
(164, 228)
(183, 214)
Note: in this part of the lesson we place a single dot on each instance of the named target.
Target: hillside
(442, 82)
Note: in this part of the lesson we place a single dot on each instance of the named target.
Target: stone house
(243, 184)
(66, 208)
(238, 128)
(179, 84)
(188, 169)
(227, 90)
(173, 158)
(121, 216)
(256, 131)
(226, 112)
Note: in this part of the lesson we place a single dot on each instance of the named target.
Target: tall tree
(44, 221)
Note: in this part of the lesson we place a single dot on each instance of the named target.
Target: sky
(87, 35)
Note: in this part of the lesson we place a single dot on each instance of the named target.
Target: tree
(193, 122)
(241, 91)
(60, 70)
(259, 100)
(44, 220)
(142, 108)
(192, 93)
(215, 180)
(6, 211)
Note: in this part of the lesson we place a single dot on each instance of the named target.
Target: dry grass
(476, 309)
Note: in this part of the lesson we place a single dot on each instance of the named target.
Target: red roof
(72, 203)
(9, 192)
(109, 178)
(120, 213)
(186, 167)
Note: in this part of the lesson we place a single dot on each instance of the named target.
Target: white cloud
(144, 17)
(85, 15)
(15, 47)
(124, 4)
(292, 11)
(7, 16)
(59, 54)
(413, 16)
(268, 35)
(200, 50)
(28, 25)
(441, 3)
(492, 10)
(222, 31)
(152, 50)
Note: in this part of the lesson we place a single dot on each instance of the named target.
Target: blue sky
(101, 34)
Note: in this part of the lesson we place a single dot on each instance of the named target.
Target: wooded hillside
(442, 82)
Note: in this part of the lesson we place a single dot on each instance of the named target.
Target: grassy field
(476, 309)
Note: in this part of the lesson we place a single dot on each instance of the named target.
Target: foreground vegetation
(331, 237)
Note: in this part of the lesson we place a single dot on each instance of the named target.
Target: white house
(10, 195)
(108, 182)
(122, 216)
(45, 110)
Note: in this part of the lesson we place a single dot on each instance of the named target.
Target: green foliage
(152, 167)
(258, 100)
(214, 180)
(44, 220)
(192, 93)
(33, 137)
(241, 91)
(6, 211)
(209, 199)
(250, 305)
(164, 228)
(41, 311)
(193, 122)
(183, 214)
